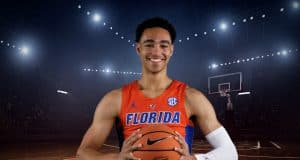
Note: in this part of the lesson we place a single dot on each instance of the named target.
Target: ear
(172, 50)
(137, 48)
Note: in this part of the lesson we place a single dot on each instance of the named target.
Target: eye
(149, 45)
(164, 46)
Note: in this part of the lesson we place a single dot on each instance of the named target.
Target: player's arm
(106, 112)
(104, 117)
(198, 105)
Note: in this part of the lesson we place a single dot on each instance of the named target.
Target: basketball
(157, 143)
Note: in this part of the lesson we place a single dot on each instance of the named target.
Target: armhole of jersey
(119, 120)
(189, 128)
(183, 92)
(124, 102)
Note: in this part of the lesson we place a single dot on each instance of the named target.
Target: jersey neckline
(140, 92)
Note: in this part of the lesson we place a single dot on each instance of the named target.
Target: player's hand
(184, 150)
(128, 147)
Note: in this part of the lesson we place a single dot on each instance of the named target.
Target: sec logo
(172, 101)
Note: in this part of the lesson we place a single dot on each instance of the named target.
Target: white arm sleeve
(224, 148)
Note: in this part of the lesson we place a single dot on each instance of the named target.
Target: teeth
(155, 60)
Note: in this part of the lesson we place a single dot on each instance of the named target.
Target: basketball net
(223, 93)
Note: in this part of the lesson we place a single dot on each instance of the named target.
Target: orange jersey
(137, 110)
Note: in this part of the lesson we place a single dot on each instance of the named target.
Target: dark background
(64, 41)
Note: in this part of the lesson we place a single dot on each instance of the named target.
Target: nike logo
(150, 142)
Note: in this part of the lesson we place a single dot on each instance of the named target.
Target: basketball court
(227, 92)
(247, 150)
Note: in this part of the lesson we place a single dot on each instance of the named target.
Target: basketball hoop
(223, 93)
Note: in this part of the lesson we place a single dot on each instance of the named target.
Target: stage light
(24, 50)
(96, 17)
(79, 6)
(244, 93)
(205, 33)
(244, 20)
(251, 18)
(295, 5)
(196, 35)
(223, 26)
(187, 38)
(281, 9)
(180, 41)
(1, 41)
(110, 28)
(238, 61)
(88, 13)
(7, 44)
(88, 70)
(107, 70)
(213, 66)
(116, 33)
(284, 52)
(233, 23)
(214, 30)
(122, 37)
(62, 92)
(263, 16)
(278, 53)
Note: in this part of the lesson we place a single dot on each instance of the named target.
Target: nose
(156, 50)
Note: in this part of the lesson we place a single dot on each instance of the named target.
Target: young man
(155, 98)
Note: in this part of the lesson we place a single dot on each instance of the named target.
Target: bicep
(103, 121)
(200, 107)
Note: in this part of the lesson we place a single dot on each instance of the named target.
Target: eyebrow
(152, 41)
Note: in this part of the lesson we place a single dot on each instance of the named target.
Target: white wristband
(224, 149)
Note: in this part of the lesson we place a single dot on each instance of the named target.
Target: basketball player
(155, 98)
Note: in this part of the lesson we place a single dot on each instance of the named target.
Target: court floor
(247, 150)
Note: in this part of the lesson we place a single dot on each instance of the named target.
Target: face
(155, 49)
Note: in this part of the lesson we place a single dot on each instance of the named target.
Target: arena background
(59, 58)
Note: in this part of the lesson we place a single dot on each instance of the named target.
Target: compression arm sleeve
(224, 148)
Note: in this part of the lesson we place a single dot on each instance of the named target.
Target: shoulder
(110, 104)
(196, 101)
(193, 94)
(113, 95)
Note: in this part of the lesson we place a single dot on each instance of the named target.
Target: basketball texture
(157, 143)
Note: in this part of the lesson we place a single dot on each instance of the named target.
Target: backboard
(225, 83)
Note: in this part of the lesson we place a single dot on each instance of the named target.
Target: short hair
(155, 22)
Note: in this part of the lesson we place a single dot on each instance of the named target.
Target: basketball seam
(155, 150)
(158, 131)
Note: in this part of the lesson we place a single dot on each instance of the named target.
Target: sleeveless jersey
(137, 110)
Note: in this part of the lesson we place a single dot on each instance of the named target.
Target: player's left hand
(184, 150)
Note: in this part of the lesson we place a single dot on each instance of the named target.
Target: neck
(154, 81)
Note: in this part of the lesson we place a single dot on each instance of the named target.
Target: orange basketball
(157, 143)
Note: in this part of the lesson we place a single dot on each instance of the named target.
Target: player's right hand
(128, 146)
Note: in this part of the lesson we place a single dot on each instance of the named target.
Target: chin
(155, 70)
